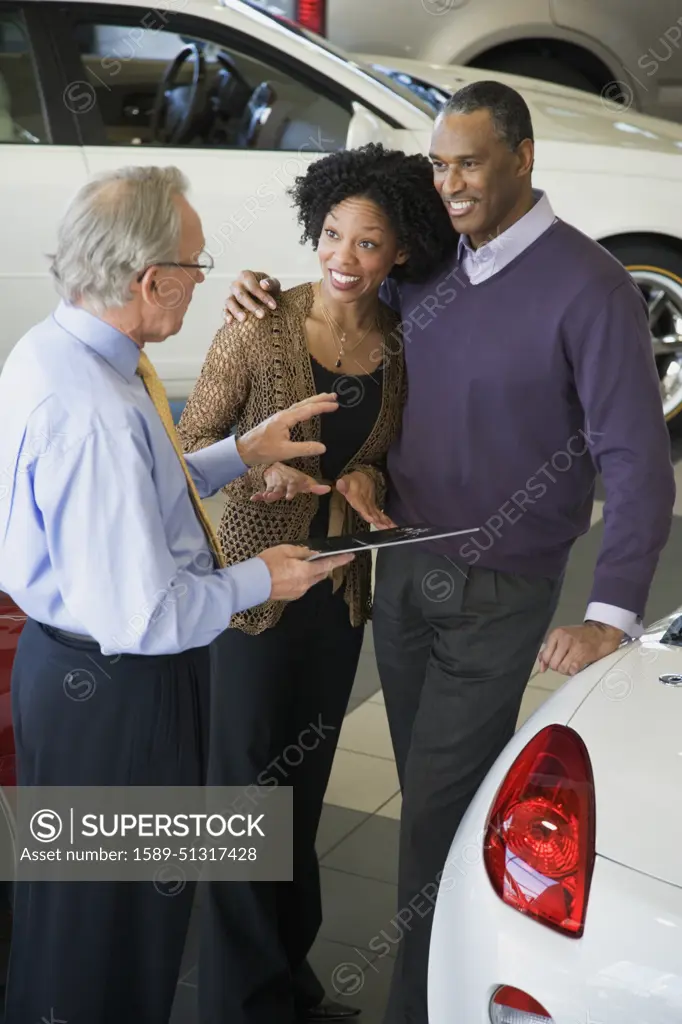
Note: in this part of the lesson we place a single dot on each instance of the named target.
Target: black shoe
(327, 1010)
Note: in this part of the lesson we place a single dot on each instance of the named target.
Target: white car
(561, 901)
(625, 48)
(242, 102)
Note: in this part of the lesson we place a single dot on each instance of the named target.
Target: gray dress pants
(455, 646)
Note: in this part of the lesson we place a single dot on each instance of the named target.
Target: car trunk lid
(632, 725)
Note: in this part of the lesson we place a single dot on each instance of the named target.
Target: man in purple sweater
(530, 369)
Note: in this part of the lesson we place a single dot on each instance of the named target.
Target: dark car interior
(21, 118)
(158, 88)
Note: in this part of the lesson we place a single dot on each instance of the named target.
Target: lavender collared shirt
(480, 265)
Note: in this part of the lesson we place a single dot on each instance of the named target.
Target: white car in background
(561, 901)
(626, 48)
(242, 102)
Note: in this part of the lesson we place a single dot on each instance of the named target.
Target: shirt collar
(511, 243)
(116, 348)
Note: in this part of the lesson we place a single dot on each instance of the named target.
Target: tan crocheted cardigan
(251, 371)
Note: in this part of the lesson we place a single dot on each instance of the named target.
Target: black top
(345, 431)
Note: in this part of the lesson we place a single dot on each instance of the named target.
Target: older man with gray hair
(105, 545)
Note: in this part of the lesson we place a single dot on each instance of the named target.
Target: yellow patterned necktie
(157, 393)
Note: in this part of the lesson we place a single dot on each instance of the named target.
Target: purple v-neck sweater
(519, 389)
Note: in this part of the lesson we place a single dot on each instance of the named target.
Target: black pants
(98, 952)
(455, 647)
(277, 704)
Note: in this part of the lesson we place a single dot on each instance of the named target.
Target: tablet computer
(354, 542)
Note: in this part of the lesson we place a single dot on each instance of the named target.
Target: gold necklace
(341, 344)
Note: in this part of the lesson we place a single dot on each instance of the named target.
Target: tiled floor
(357, 841)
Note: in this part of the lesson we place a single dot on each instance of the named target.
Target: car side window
(21, 111)
(154, 87)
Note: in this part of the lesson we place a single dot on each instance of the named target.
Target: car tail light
(540, 834)
(312, 14)
(511, 1006)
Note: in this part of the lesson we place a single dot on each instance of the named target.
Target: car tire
(536, 65)
(657, 268)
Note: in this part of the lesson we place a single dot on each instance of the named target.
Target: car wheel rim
(663, 293)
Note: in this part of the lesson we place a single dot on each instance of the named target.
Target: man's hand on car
(569, 649)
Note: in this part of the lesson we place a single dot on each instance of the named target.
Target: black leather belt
(66, 635)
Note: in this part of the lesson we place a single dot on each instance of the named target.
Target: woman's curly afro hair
(401, 185)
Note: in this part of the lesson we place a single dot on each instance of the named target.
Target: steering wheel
(257, 112)
(230, 98)
(229, 64)
(176, 106)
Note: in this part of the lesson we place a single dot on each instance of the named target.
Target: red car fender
(12, 621)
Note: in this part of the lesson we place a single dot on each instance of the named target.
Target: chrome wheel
(663, 293)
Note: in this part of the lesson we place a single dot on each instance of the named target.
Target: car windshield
(434, 97)
(391, 80)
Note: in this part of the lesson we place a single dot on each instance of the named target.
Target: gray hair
(117, 224)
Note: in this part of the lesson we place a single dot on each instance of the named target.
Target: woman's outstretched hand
(283, 481)
(359, 491)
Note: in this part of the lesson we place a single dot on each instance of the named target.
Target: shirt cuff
(252, 583)
(619, 618)
(215, 466)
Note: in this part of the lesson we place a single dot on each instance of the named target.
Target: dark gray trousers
(277, 705)
(455, 646)
(102, 952)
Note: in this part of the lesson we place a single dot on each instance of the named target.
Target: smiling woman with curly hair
(398, 185)
(282, 674)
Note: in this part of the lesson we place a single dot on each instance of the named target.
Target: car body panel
(32, 192)
(645, 40)
(558, 113)
(635, 744)
(625, 969)
(636, 44)
(446, 31)
(12, 621)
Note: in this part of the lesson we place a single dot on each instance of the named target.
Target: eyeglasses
(205, 263)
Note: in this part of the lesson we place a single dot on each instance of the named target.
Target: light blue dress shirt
(98, 533)
(481, 264)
